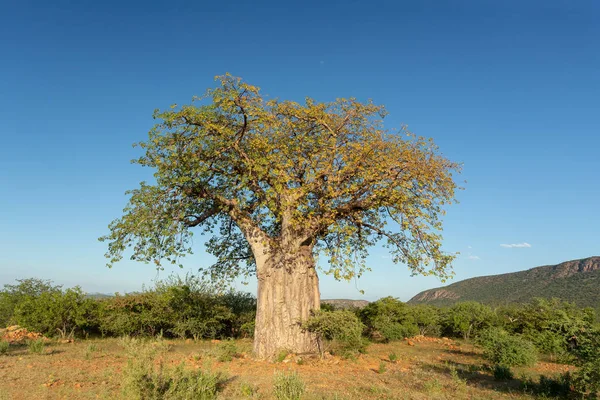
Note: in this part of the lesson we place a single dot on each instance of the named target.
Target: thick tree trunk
(288, 289)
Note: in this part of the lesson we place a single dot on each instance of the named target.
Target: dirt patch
(15, 334)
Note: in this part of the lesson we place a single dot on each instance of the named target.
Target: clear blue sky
(509, 88)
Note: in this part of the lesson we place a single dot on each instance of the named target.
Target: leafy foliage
(13, 295)
(390, 318)
(145, 381)
(288, 386)
(427, 318)
(183, 307)
(36, 346)
(466, 319)
(56, 311)
(342, 329)
(506, 350)
(226, 351)
(503, 373)
(586, 380)
(258, 173)
(552, 325)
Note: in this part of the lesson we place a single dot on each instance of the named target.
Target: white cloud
(516, 245)
(474, 257)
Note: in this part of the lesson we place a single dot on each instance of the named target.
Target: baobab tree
(277, 183)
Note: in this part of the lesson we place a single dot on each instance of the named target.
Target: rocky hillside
(576, 281)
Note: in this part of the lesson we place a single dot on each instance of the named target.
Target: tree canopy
(281, 174)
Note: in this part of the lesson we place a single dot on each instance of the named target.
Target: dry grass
(92, 369)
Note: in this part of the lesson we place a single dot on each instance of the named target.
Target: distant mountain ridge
(345, 303)
(576, 281)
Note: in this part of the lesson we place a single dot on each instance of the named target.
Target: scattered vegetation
(226, 351)
(144, 379)
(506, 350)
(503, 373)
(178, 307)
(36, 346)
(288, 386)
(511, 336)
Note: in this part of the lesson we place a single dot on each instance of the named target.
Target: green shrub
(548, 342)
(586, 380)
(288, 386)
(382, 368)
(550, 387)
(36, 346)
(248, 390)
(556, 386)
(467, 319)
(501, 348)
(390, 318)
(183, 307)
(502, 373)
(90, 350)
(282, 355)
(341, 329)
(427, 318)
(4, 345)
(13, 295)
(53, 311)
(393, 357)
(226, 351)
(144, 380)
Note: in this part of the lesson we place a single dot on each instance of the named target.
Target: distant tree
(467, 318)
(57, 312)
(13, 295)
(278, 182)
(427, 318)
(390, 318)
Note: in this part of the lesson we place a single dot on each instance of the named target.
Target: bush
(247, 329)
(396, 331)
(586, 380)
(559, 386)
(145, 381)
(390, 318)
(342, 329)
(501, 348)
(226, 351)
(13, 295)
(57, 312)
(548, 342)
(467, 319)
(288, 386)
(427, 318)
(181, 307)
(502, 373)
(4, 347)
(36, 346)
